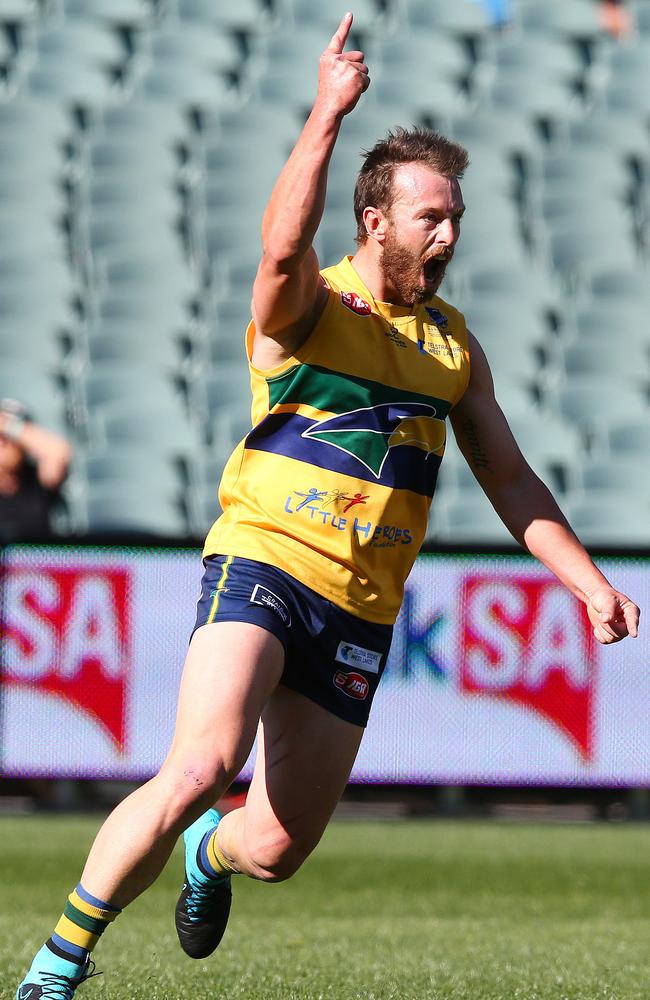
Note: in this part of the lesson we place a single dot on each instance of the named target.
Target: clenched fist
(613, 615)
(342, 76)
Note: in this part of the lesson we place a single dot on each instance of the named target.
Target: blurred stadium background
(140, 140)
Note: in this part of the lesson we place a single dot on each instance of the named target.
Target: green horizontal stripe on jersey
(336, 392)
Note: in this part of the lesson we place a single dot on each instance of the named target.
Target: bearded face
(412, 276)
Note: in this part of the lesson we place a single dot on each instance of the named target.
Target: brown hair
(416, 145)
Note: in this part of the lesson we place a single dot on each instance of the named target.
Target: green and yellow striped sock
(214, 858)
(80, 926)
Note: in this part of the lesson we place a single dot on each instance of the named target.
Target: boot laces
(58, 987)
(200, 900)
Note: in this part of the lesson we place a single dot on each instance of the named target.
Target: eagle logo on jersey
(370, 433)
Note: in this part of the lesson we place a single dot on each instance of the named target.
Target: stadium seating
(139, 140)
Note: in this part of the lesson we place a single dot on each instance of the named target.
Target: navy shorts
(331, 656)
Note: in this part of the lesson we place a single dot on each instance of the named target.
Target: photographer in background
(33, 465)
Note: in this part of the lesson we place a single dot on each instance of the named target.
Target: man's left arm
(50, 452)
(527, 507)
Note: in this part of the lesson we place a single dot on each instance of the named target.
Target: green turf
(460, 911)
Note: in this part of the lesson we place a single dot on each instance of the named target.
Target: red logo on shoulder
(353, 684)
(356, 303)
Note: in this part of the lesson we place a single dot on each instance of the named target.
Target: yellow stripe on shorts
(220, 587)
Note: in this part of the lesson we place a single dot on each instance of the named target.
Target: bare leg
(230, 673)
(304, 758)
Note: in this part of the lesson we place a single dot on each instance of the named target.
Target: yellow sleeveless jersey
(334, 482)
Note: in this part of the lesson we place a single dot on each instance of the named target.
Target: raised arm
(526, 506)
(50, 453)
(289, 295)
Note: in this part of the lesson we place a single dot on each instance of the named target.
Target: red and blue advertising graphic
(92, 647)
(522, 640)
(494, 675)
(67, 634)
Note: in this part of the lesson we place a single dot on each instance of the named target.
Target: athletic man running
(325, 506)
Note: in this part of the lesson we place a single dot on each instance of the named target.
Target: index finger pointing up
(340, 36)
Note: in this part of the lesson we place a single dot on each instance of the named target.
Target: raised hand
(613, 615)
(342, 76)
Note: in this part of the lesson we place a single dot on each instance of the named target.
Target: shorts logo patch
(352, 684)
(262, 595)
(357, 656)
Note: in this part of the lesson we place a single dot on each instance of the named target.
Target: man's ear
(376, 223)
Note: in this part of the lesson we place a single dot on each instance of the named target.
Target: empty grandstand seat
(146, 422)
(134, 13)
(24, 114)
(641, 15)
(17, 11)
(536, 54)
(500, 129)
(120, 510)
(582, 358)
(576, 19)
(189, 85)
(128, 467)
(617, 519)
(191, 44)
(136, 342)
(30, 342)
(618, 473)
(627, 96)
(131, 156)
(557, 449)
(246, 15)
(369, 16)
(406, 51)
(624, 133)
(407, 99)
(271, 124)
(496, 281)
(619, 285)
(469, 520)
(75, 83)
(460, 17)
(143, 118)
(221, 388)
(596, 404)
(538, 97)
(630, 436)
(79, 42)
(574, 251)
(205, 508)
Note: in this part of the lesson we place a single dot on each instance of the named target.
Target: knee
(193, 786)
(277, 858)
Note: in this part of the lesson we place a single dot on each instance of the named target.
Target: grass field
(460, 911)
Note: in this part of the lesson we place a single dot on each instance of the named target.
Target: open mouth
(434, 268)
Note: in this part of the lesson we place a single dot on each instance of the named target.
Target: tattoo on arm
(477, 456)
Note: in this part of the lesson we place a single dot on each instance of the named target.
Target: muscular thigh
(230, 672)
(304, 758)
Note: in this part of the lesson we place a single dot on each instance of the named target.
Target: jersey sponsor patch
(352, 684)
(357, 656)
(355, 303)
(437, 317)
(262, 595)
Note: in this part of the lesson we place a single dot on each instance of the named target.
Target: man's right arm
(289, 294)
